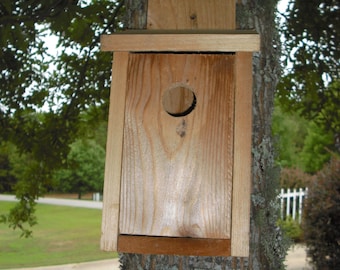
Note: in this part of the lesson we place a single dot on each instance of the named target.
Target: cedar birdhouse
(177, 177)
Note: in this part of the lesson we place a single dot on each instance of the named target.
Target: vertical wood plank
(194, 14)
(242, 156)
(114, 153)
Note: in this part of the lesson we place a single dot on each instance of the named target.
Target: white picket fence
(292, 203)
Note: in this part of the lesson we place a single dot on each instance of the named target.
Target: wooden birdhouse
(178, 164)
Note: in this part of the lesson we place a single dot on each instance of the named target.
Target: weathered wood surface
(242, 155)
(113, 153)
(190, 42)
(177, 171)
(173, 245)
(194, 14)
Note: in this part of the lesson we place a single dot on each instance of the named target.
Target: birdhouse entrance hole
(179, 100)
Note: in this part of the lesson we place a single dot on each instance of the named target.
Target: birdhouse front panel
(177, 158)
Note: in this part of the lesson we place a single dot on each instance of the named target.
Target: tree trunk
(267, 250)
(268, 246)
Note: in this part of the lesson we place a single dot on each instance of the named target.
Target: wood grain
(204, 42)
(242, 156)
(177, 171)
(114, 146)
(195, 14)
(173, 246)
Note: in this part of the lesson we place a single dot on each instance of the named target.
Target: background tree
(7, 177)
(62, 85)
(290, 131)
(311, 83)
(301, 144)
(84, 171)
(316, 150)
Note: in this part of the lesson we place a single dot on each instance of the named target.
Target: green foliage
(311, 84)
(315, 152)
(322, 217)
(291, 228)
(7, 177)
(290, 131)
(20, 215)
(63, 85)
(302, 145)
(84, 171)
(329, 115)
(33, 181)
(93, 129)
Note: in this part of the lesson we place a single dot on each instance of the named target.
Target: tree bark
(267, 248)
(136, 14)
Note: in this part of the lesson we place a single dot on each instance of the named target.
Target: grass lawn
(63, 235)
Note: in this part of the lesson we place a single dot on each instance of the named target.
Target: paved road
(97, 265)
(295, 260)
(65, 202)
